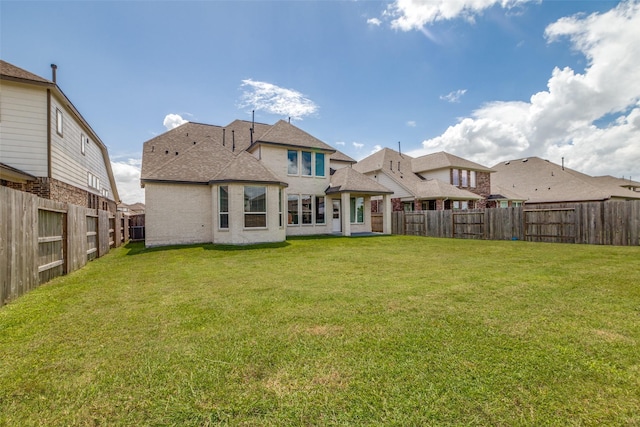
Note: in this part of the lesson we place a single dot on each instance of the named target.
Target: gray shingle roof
(444, 160)
(10, 70)
(286, 134)
(542, 181)
(348, 180)
(432, 189)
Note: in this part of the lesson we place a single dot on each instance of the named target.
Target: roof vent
(525, 160)
(506, 163)
(194, 143)
(166, 152)
(176, 153)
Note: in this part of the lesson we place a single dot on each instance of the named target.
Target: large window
(255, 206)
(292, 208)
(280, 207)
(292, 158)
(463, 178)
(357, 210)
(472, 179)
(320, 165)
(223, 203)
(307, 212)
(455, 177)
(306, 163)
(320, 209)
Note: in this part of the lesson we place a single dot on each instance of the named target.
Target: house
(47, 147)
(542, 182)
(251, 182)
(435, 181)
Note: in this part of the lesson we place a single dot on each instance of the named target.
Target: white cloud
(592, 118)
(357, 145)
(172, 121)
(341, 143)
(407, 15)
(411, 123)
(374, 21)
(376, 148)
(275, 100)
(454, 96)
(127, 176)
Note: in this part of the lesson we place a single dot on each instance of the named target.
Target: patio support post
(346, 214)
(386, 214)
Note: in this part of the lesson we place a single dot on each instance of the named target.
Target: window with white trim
(292, 161)
(223, 207)
(320, 164)
(292, 209)
(357, 210)
(306, 163)
(255, 206)
(59, 122)
(307, 209)
(320, 210)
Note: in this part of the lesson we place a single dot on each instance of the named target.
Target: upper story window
(455, 177)
(464, 178)
(472, 179)
(59, 121)
(83, 143)
(255, 206)
(306, 163)
(292, 158)
(320, 164)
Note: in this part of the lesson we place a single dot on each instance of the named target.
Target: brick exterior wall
(396, 205)
(52, 189)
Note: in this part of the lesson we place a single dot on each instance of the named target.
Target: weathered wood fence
(599, 223)
(41, 239)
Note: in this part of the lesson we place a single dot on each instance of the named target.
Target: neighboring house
(47, 147)
(131, 209)
(248, 183)
(542, 182)
(437, 181)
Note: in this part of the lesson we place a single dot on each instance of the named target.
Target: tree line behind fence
(41, 239)
(597, 223)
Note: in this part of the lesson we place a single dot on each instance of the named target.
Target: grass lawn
(389, 330)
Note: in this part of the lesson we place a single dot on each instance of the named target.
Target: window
(223, 206)
(93, 181)
(464, 205)
(319, 164)
(516, 204)
(320, 210)
(255, 206)
(280, 206)
(472, 179)
(292, 157)
(357, 210)
(306, 163)
(292, 208)
(463, 178)
(455, 179)
(59, 122)
(83, 142)
(307, 211)
(456, 204)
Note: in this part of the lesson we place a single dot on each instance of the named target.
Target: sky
(486, 80)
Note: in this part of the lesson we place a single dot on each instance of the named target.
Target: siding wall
(68, 164)
(23, 127)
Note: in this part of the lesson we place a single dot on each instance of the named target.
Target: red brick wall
(49, 188)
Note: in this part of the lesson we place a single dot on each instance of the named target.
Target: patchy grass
(392, 330)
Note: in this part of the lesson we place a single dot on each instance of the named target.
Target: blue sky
(488, 80)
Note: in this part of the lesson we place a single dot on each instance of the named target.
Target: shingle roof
(444, 160)
(432, 189)
(348, 180)
(283, 133)
(339, 156)
(246, 168)
(10, 70)
(542, 181)
(382, 160)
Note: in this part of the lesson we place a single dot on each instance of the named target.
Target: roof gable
(443, 160)
(286, 134)
(348, 180)
(11, 71)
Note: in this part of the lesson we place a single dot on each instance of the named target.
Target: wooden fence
(41, 239)
(599, 223)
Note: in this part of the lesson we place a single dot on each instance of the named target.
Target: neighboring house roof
(339, 156)
(443, 160)
(12, 174)
(620, 182)
(348, 180)
(542, 181)
(432, 189)
(288, 135)
(500, 193)
(397, 167)
(12, 73)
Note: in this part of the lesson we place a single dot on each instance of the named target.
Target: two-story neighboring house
(435, 181)
(250, 182)
(47, 147)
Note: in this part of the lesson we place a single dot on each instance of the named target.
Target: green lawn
(390, 330)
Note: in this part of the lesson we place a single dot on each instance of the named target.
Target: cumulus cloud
(374, 21)
(172, 121)
(407, 15)
(341, 143)
(454, 96)
(592, 118)
(376, 148)
(357, 145)
(273, 99)
(127, 176)
(411, 123)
